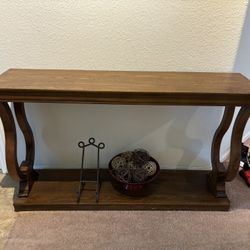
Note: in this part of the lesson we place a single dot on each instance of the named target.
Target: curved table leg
(219, 174)
(235, 153)
(216, 179)
(28, 136)
(24, 173)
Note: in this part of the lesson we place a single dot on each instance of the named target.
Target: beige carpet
(7, 215)
(137, 229)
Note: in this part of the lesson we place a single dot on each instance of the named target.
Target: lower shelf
(173, 190)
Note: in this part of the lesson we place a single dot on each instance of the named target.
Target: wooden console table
(55, 189)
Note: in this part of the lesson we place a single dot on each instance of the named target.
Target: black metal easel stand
(100, 146)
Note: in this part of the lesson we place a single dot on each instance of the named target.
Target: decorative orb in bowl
(132, 172)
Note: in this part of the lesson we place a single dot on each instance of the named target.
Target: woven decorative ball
(150, 168)
(127, 155)
(131, 165)
(118, 163)
(124, 175)
(140, 156)
(140, 175)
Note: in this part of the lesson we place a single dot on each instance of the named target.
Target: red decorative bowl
(133, 189)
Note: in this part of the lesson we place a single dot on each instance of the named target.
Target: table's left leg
(23, 173)
(27, 164)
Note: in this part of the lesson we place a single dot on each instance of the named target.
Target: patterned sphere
(118, 163)
(150, 168)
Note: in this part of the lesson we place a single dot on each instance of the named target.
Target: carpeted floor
(7, 215)
(137, 229)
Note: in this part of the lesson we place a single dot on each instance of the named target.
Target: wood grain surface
(121, 87)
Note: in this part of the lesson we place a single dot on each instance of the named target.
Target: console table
(55, 189)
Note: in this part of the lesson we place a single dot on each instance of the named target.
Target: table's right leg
(216, 179)
(220, 174)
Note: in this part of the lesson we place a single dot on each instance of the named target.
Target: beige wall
(179, 35)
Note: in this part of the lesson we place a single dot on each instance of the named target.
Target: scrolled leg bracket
(219, 174)
(23, 173)
(216, 179)
(237, 133)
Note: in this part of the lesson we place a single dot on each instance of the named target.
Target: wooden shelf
(173, 190)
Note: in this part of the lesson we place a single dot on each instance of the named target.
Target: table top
(124, 87)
